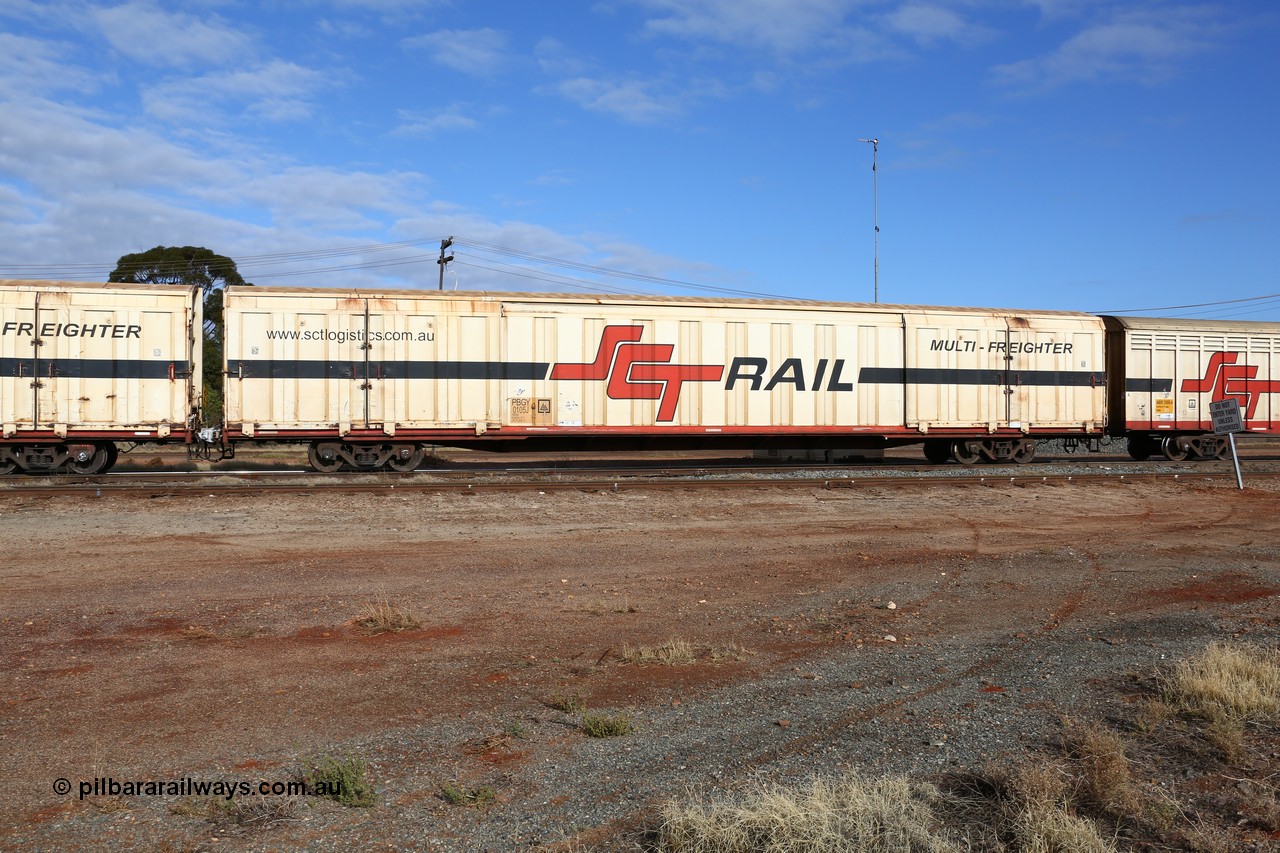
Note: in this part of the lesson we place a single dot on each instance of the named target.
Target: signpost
(1227, 421)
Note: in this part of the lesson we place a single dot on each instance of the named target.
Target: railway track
(474, 481)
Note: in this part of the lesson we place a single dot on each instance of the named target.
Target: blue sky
(1071, 154)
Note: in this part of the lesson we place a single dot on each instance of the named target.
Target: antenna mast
(875, 202)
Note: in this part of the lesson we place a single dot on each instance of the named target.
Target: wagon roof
(1191, 324)
(646, 299)
(44, 285)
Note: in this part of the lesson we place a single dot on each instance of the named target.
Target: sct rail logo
(637, 371)
(1226, 379)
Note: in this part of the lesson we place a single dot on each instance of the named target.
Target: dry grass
(607, 725)
(1228, 683)
(383, 617)
(568, 703)
(670, 653)
(476, 798)
(1031, 808)
(242, 811)
(1099, 759)
(1051, 828)
(844, 814)
(733, 651)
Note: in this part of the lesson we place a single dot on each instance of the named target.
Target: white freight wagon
(1173, 369)
(83, 366)
(369, 376)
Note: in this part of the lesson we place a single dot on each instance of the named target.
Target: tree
(190, 266)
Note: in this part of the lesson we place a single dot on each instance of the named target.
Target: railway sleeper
(329, 456)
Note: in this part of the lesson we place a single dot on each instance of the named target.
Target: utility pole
(444, 244)
(875, 201)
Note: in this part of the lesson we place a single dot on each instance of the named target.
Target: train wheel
(407, 457)
(966, 452)
(1174, 448)
(8, 466)
(1025, 452)
(937, 452)
(113, 453)
(93, 461)
(323, 456)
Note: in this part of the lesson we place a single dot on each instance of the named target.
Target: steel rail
(664, 468)
(331, 486)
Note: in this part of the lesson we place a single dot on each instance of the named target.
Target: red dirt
(181, 635)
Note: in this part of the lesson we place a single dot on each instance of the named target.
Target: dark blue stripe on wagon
(289, 369)
(1157, 386)
(93, 368)
(957, 376)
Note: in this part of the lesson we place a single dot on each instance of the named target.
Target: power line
(1194, 305)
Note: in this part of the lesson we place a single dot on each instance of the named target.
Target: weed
(1240, 682)
(891, 814)
(471, 797)
(569, 703)
(733, 651)
(383, 617)
(246, 811)
(672, 652)
(197, 632)
(109, 805)
(1099, 756)
(1052, 828)
(344, 780)
(1226, 734)
(190, 807)
(607, 725)
(1153, 714)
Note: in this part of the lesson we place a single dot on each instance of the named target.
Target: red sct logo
(1226, 379)
(637, 371)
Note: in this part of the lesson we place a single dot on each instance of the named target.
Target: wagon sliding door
(296, 364)
(1053, 373)
(954, 374)
(17, 391)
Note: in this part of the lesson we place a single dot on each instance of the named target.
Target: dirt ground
(213, 637)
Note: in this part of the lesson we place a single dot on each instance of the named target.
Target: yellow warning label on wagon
(1164, 407)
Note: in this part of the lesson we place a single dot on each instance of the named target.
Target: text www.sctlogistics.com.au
(228, 789)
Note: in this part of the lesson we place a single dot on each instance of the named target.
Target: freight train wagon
(368, 377)
(1167, 372)
(84, 366)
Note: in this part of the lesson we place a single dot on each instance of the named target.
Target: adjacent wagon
(84, 366)
(1167, 372)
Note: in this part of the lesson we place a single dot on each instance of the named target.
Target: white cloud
(32, 67)
(631, 100)
(928, 23)
(1145, 46)
(555, 58)
(143, 32)
(330, 199)
(554, 178)
(452, 118)
(277, 91)
(784, 26)
(481, 53)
